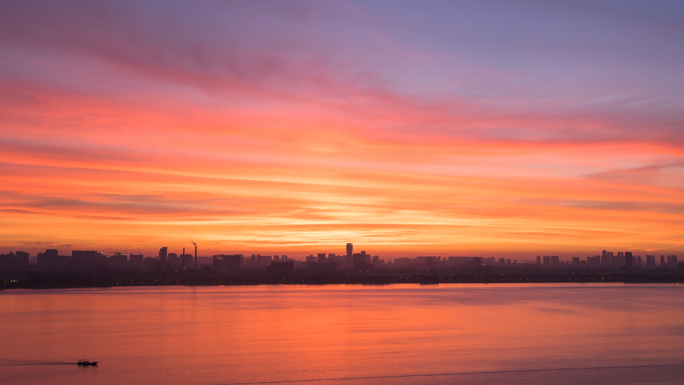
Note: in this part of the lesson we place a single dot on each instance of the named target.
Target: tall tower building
(350, 253)
(163, 252)
(629, 260)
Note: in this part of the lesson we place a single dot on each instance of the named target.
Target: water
(399, 334)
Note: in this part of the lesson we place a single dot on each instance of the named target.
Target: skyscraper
(629, 260)
(163, 252)
(350, 260)
(605, 259)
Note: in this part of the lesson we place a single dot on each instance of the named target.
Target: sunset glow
(295, 127)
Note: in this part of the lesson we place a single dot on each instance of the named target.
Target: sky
(452, 128)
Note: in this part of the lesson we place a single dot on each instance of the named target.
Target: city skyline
(90, 268)
(302, 255)
(502, 129)
(163, 255)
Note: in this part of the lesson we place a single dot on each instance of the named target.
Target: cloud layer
(296, 126)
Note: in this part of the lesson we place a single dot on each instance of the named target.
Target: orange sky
(293, 131)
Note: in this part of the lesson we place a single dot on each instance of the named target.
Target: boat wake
(14, 362)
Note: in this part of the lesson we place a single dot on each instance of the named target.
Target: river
(346, 334)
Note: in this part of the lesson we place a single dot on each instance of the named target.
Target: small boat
(86, 363)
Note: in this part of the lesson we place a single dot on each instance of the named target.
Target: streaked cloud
(296, 126)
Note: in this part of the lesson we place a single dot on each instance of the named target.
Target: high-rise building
(350, 260)
(18, 261)
(118, 261)
(264, 260)
(225, 264)
(163, 252)
(358, 261)
(187, 260)
(605, 259)
(173, 259)
(547, 260)
(617, 260)
(673, 262)
(136, 261)
(321, 258)
(629, 260)
(538, 260)
(662, 260)
(50, 260)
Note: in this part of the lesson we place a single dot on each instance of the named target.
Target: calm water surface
(400, 334)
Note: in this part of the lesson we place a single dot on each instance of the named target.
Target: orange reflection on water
(404, 333)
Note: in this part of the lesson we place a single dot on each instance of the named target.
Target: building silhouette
(629, 260)
(50, 260)
(118, 261)
(226, 264)
(18, 261)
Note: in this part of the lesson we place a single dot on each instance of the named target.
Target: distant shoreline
(93, 279)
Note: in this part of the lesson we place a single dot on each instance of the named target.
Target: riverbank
(49, 280)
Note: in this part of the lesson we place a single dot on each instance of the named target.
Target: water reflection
(348, 334)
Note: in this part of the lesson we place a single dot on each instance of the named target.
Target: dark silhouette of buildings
(629, 260)
(137, 261)
(264, 260)
(163, 253)
(187, 260)
(350, 258)
(86, 260)
(226, 264)
(118, 261)
(361, 261)
(282, 266)
(50, 260)
(92, 268)
(18, 261)
(323, 263)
